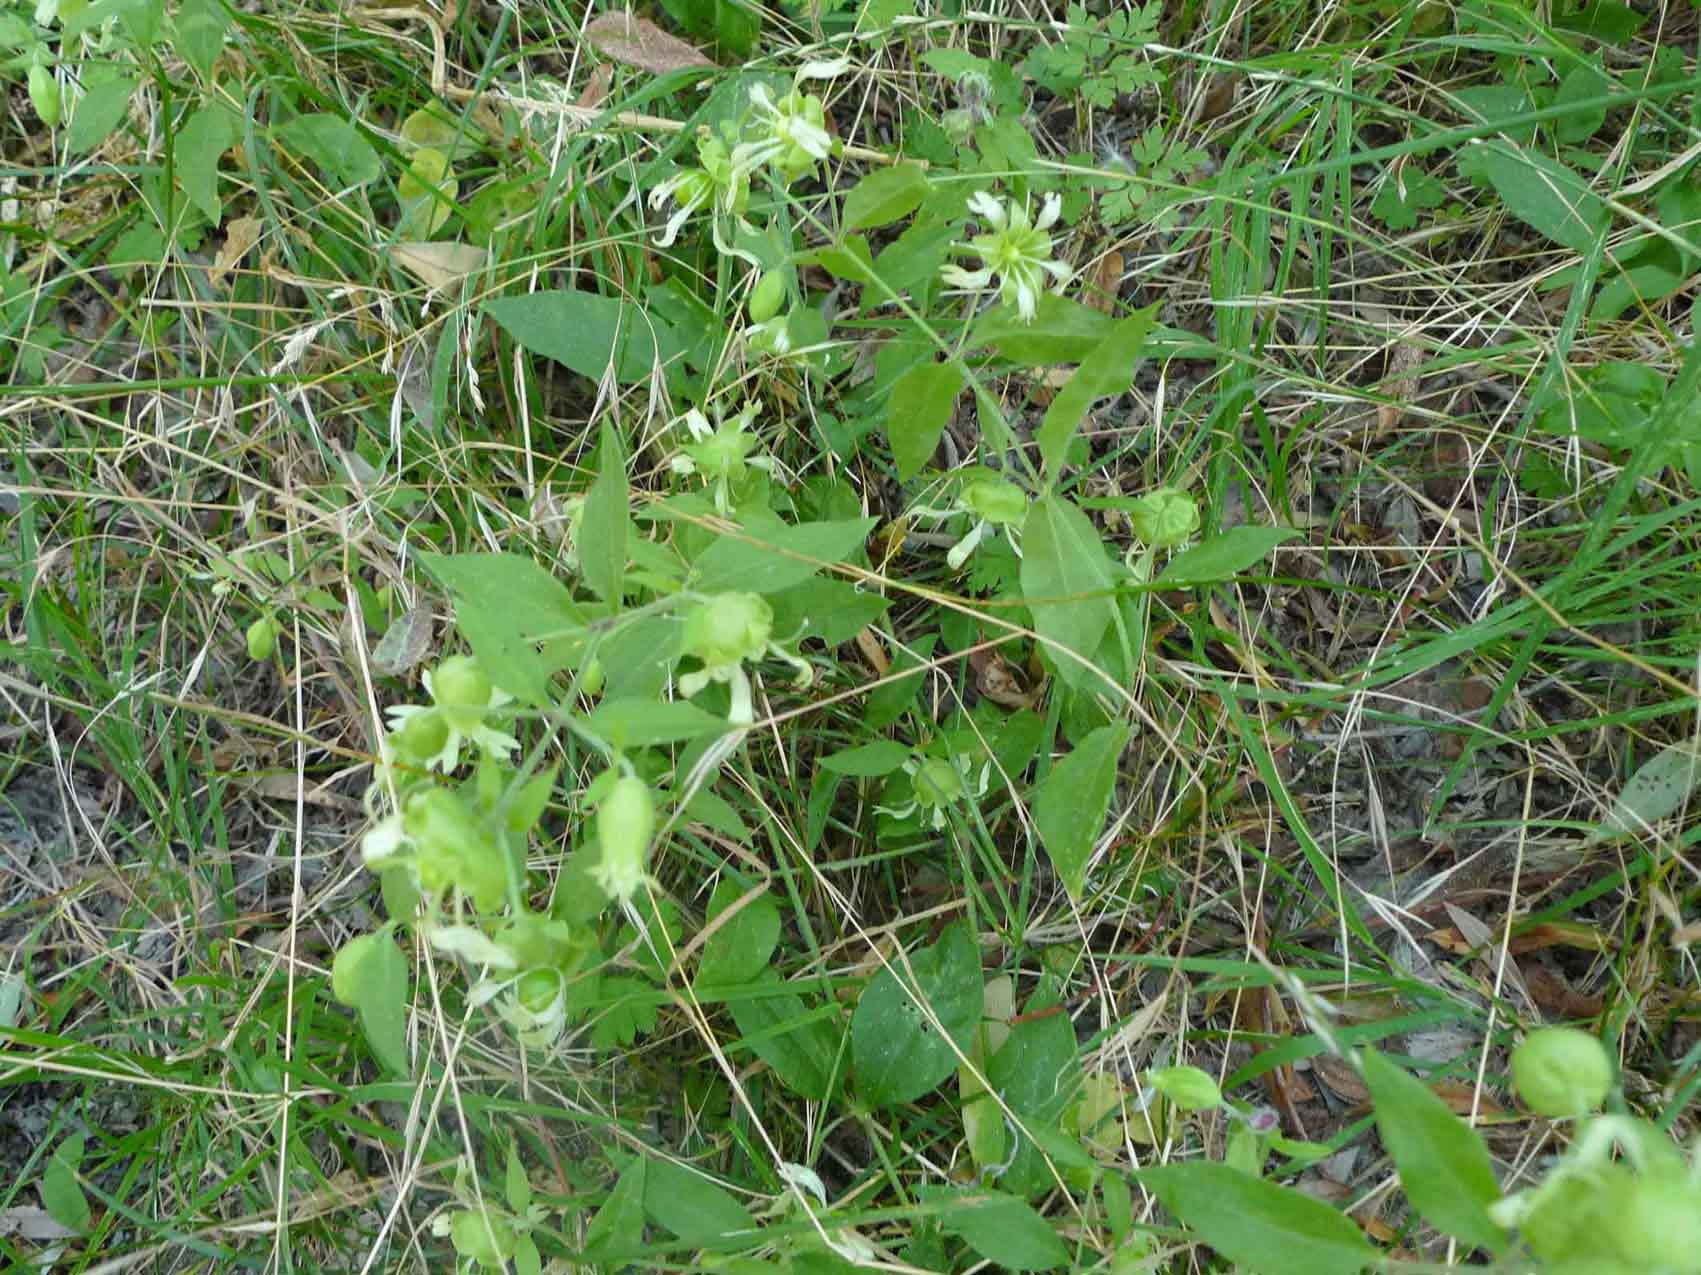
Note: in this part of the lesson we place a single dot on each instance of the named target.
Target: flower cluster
(1017, 251)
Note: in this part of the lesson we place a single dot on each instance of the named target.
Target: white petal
(384, 839)
(957, 277)
(698, 424)
(761, 99)
(675, 224)
(470, 942)
(1026, 299)
(1050, 211)
(740, 712)
(822, 70)
(987, 208)
(817, 141)
(1058, 271)
(691, 683)
(963, 548)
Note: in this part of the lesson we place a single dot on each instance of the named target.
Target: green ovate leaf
(606, 521)
(885, 195)
(61, 1194)
(381, 998)
(867, 761)
(1005, 1230)
(897, 1048)
(921, 406)
(774, 556)
(589, 333)
(106, 97)
(1540, 191)
(520, 620)
(617, 1229)
(643, 723)
(1063, 331)
(1661, 787)
(1443, 1163)
(1268, 1229)
(799, 1044)
(1067, 584)
(739, 948)
(201, 27)
(696, 1209)
(207, 134)
(1069, 807)
(1108, 370)
(335, 147)
(1223, 556)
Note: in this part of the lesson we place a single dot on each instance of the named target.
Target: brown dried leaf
(1104, 281)
(596, 88)
(874, 651)
(635, 41)
(437, 265)
(405, 643)
(240, 234)
(1000, 681)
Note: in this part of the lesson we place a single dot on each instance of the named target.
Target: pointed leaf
(697, 1209)
(921, 406)
(1540, 191)
(1443, 1163)
(898, 1053)
(61, 1193)
(1005, 1230)
(1070, 806)
(1108, 370)
(381, 998)
(617, 1229)
(1661, 787)
(1066, 582)
(1223, 555)
(783, 1032)
(776, 556)
(588, 333)
(207, 134)
(1268, 1229)
(737, 950)
(506, 605)
(606, 520)
(885, 195)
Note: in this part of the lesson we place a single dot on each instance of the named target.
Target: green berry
(996, 500)
(767, 297)
(422, 736)
(538, 990)
(486, 1237)
(263, 638)
(45, 97)
(462, 691)
(1560, 1071)
(1164, 518)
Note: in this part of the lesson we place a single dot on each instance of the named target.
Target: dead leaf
(1104, 281)
(1553, 995)
(1460, 1098)
(874, 651)
(405, 643)
(1342, 1078)
(439, 264)
(284, 788)
(1219, 95)
(32, 1225)
(1000, 681)
(1404, 359)
(596, 88)
(635, 41)
(240, 234)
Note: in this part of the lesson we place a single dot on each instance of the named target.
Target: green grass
(1418, 708)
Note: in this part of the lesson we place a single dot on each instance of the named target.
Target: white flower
(791, 133)
(454, 720)
(1017, 252)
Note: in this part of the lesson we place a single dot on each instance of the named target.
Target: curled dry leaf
(405, 643)
(595, 92)
(635, 41)
(437, 265)
(240, 234)
(1001, 682)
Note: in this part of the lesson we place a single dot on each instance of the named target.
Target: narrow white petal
(471, 943)
(1026, 299)
(987, 208)
(675, 224)
(963, 548)
(957, 277)
(1050, 211)
(823, 70)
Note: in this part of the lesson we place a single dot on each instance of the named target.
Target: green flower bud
(486, 1237)
(455, 848)
(1164, 518)
(766, 299)
(937, 783)
(723, 453)
(729, 628)
(1560, 1071)
(1187, 1087)
(345, 969)
(462, 691)
(625, 821)
(263, 638)
(422, 736)
(538, 990)
(995, 499)
(49, 105)
(592, 679)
